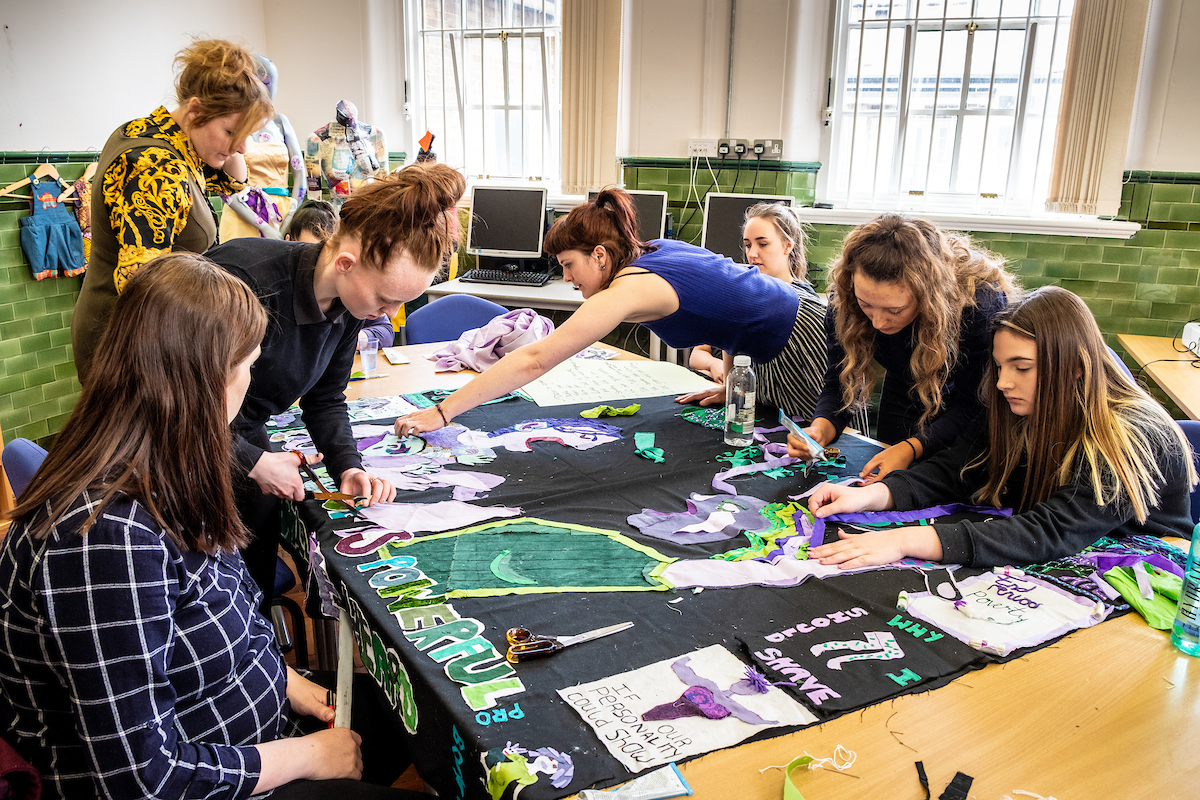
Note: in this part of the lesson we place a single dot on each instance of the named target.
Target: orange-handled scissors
(348, 501)
(524, 645)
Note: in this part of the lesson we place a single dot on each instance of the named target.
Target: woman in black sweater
(1078, 450)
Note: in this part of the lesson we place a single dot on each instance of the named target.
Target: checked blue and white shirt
(131, 668)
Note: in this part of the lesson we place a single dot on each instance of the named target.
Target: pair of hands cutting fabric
(275, 473)
(891, 459)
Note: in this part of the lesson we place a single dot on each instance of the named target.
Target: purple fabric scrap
(696, 701)
(733, 514)
(479, 348)
(816, 530)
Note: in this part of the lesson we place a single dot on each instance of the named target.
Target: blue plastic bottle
(1185, 633)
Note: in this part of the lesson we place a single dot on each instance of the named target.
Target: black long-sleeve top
(899, 411)
(1065, 523)
(306, 354)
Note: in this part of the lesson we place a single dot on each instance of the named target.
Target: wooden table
(1170, 369)
(1109, 711)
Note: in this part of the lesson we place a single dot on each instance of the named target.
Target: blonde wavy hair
(941, 269)
(1088, 417)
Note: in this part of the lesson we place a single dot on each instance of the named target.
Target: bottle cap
(741, 361)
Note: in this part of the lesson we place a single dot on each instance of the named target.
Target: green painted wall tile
(1160, 293)
(648, 175)
(34, 430)
(1009, 249)
(1180, 312)
(47, 322)
(16, 329)
(12, 419)
(1062, 270)
(1171, 193)
(1114, 290)
(1100, 308)
(11, 383)
(1082, 252)
(39, 378)
(1081, 288)
(1100, 272)
(21, 364)
(1135, 274)
(1131, 308)
(1187, 240)
(1046, 251)
(1180, 276)
(679, 176)
(1185, 212)
(35, 342)
(66, 370)
(1147, 238)
(1162, 257)
(53, 356)
(1151, 327)
(1159, 211)
(57, 389)
(1122, 255)
(8, 349)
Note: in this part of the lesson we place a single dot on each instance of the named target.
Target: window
(946, 104)
(486, 77)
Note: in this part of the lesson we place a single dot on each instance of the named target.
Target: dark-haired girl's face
(890, 305)
(585, 270)
(1016, 370)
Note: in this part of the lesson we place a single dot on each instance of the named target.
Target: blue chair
(21, 459)
(447, 317)
(1121, 363)
(1191, 429)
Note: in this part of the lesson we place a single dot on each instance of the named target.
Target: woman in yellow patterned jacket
(155, 173)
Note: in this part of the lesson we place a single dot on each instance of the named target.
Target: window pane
(994, 175)
(942, 157)
(433, 13)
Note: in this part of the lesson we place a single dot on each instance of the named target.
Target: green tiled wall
(38, 387)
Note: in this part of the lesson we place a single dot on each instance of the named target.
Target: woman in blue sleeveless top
(685, 294)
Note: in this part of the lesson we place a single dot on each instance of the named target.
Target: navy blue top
(132, 668)
(735, 308)
(899, 410)
(306, 353)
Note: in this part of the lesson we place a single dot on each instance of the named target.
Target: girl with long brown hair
(1076, 448)
(685, 294)
(392, 238)
(155, 172)
(135, 663)
(918, 302)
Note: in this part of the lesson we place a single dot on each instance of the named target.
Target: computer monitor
(724, 216)
(507, 221)
(651, 210)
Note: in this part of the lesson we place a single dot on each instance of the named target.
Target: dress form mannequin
(346, 152)
(265, 206)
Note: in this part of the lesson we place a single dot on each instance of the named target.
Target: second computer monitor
(651, 210)
(507, 221)
(724, 216)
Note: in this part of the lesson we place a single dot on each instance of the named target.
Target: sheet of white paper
(613, 708)
(394, 356)
(583, 380)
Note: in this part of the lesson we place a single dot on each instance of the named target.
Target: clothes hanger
(43, 170)
(88, 173)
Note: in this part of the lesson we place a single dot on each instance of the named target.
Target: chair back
(1191, 429)
(1121, 363)
(21, 459)
(445, 318)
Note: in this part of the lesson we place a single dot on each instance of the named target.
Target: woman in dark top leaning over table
(134, 662)
(918, 302)
(392, 238)
(1071, 444)
(685, 294)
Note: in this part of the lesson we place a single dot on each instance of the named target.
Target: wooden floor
(410, 779)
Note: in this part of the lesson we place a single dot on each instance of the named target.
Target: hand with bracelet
(423, 421)
(898, 456)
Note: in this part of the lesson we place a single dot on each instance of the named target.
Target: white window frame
(903, 28)
(456, 154)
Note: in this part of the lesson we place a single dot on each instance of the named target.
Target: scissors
(525, 645)
(349, 501)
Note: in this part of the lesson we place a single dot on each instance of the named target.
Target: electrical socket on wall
(768, 149)
(701, 148)
(733, 148)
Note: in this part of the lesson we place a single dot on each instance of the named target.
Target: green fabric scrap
(740, 458)
(790, 792)
(525, 555)
(778, 472)
(1159, 610)
(643, 443)
(708, 417)
(610, 411)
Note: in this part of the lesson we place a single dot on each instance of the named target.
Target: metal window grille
(945, 104)
(488, 83)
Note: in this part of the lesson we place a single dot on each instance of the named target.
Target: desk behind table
(600, 488)
(1171, 369)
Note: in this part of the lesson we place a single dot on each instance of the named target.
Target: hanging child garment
(82, 200)
(50, 237)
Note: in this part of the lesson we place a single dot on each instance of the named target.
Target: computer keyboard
(504, 276)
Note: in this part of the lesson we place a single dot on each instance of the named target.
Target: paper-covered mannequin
(347, 153)
(266, 205)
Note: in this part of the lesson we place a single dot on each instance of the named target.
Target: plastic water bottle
(739, 404)
(1185, 633)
